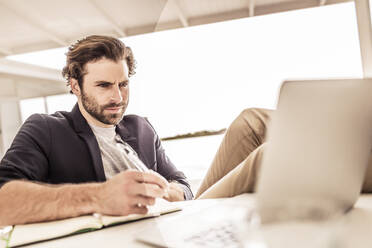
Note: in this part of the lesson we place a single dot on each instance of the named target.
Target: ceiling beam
(363, 13)
(18, 69)
(231, 15)
(30, 20)
(191, 21)
(109, 19)
(30, 88)
(176, 7)
(292, 5)
(251, 7)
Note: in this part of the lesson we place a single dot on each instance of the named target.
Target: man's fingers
(139, 209)
(175, 193)
(144, 201)
(151, 177)
(149, 190)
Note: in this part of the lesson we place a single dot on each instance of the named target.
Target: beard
(97, 111)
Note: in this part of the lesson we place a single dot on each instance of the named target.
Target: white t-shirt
(116, 154)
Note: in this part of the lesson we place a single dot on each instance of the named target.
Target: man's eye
(104, 85)
(123, 85)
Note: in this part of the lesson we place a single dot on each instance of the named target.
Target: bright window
(54, 103)
(32, 106)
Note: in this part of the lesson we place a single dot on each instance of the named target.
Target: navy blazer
(61, 148)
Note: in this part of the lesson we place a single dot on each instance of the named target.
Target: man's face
(105, 90)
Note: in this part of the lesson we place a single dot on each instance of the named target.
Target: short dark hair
(93, 48)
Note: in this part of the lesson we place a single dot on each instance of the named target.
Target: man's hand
(175, 192)
(130, 192)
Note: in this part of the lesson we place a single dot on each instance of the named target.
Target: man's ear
(75, 88)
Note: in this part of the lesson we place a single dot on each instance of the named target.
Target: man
(236, 165)
(81, 162)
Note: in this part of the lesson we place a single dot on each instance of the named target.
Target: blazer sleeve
(167, 169)
(27, 157)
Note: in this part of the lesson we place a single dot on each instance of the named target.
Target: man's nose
(116, 95)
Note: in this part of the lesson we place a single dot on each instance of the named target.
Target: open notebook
(30, 233)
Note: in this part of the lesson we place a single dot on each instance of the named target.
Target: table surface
(353, 229)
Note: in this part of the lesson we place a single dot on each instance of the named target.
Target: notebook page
(28, 233)
(161, 207)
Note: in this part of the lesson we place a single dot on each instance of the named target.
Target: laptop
(319, 143)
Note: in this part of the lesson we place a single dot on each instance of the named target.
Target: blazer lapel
(95, 153)
(130, 139)
(85, 132)
(126, 136)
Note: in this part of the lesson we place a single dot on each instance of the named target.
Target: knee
(252, 120)
(256, 113)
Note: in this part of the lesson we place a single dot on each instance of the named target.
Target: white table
(351, 230)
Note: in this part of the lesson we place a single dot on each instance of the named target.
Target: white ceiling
(31, 25)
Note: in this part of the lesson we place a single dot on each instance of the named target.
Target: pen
(137, 164)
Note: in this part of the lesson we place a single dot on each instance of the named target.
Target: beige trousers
(236, 164)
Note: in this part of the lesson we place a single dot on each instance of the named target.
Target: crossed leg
(234, 168)
(236, 164)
